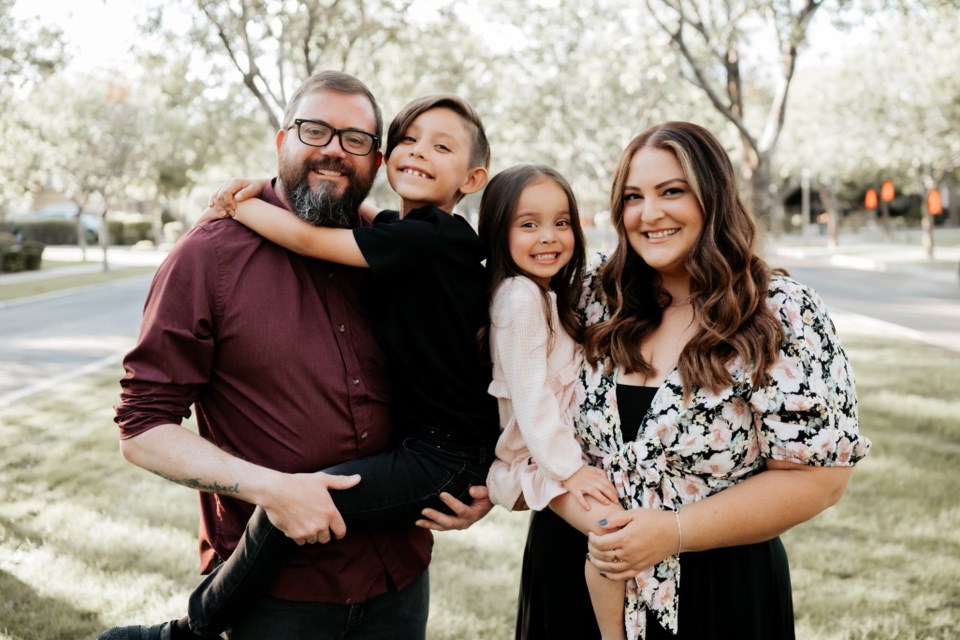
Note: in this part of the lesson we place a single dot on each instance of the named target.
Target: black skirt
(736, 592)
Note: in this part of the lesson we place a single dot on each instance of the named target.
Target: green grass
(88, 540)
(10, 290)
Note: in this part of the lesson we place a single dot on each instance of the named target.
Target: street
(911, 300)
(55, 337)
(52, 337)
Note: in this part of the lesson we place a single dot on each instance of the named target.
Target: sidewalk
(116, 257)
(867, 250)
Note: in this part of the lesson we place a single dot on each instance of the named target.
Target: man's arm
(297, 504)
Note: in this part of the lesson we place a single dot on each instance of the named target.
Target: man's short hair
(331, 81)
(480, 148)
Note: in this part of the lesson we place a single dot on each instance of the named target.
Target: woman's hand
(637, 540)
(590, 481)
(225, 200)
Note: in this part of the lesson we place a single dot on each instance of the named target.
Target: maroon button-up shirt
(275, 353)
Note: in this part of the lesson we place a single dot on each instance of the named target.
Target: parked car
(91, 223)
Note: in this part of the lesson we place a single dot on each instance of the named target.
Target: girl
(530, 224)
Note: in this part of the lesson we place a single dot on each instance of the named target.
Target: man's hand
(301, 506)
(466, 515)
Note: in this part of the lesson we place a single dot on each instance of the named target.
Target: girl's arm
(280, 226)
(757, 509)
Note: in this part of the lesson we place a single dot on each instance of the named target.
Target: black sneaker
(138, 632)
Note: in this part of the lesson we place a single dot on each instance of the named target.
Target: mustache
(331, 164)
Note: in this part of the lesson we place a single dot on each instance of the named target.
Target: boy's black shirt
(428, 301)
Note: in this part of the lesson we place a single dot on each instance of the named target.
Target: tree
(886, 111)
(29, 52)
(275, 44)
(715, 41)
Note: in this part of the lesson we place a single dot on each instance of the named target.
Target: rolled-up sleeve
(174, 353)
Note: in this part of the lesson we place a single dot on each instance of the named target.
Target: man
(286, 377)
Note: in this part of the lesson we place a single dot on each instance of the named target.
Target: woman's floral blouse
(806, 413)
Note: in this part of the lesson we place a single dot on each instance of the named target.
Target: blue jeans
(398, 615)
(396, 486)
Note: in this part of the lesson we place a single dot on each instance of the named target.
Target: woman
(715, 394)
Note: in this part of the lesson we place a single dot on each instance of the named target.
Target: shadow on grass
(27, 615)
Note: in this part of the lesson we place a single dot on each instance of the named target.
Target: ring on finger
(616, 557)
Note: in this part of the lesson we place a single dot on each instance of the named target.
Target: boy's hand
(590, 481)
(368, 211)
(225, 200)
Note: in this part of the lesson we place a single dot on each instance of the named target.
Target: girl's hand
(231, 192)
(637, 540)
(590, 481)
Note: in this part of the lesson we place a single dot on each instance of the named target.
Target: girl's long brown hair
(728, 280)
(497, 206)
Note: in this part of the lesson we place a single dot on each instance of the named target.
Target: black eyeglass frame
(374, 145)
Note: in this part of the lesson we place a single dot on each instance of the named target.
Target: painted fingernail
(588, 557)
(603, 522)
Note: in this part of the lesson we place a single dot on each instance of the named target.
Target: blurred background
(841, 114)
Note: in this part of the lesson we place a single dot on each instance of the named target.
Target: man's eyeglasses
(317, 133)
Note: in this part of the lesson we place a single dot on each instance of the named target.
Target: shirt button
(363, 436)
(356, 381)
(329, 276)
(342, 328)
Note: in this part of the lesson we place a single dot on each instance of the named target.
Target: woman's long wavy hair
(728, 280)
(497, 206)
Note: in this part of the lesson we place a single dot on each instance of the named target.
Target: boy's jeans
(396, 486)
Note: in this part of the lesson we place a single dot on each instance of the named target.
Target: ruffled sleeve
(807, 411)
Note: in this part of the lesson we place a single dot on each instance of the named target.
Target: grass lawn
(88, 541)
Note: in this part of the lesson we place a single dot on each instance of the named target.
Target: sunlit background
(140, 108)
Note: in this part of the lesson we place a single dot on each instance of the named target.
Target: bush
(51, 231)
(11, 254)
(32, 254)
(134, 232)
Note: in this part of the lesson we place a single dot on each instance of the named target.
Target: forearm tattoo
(199, 485)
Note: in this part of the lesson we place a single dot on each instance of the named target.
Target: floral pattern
(806, 413)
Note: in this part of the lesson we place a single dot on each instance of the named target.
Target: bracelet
(679, 532)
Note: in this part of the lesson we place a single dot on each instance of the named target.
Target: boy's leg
(395, 487)
(232, 587)
(606, 595)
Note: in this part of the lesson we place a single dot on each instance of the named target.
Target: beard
(321, 206)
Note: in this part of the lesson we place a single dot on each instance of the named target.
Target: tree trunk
(104, 238)
(762, 194)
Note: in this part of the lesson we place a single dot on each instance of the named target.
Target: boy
(427, 300)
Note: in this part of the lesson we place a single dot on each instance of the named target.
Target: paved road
(49, 338)
(915, 300)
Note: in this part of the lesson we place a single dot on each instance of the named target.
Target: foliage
(715, 42)
(885, 110)
(29, 52)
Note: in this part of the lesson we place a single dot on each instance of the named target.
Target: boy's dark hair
(480, 148)
(497, 206)
(331, 81)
